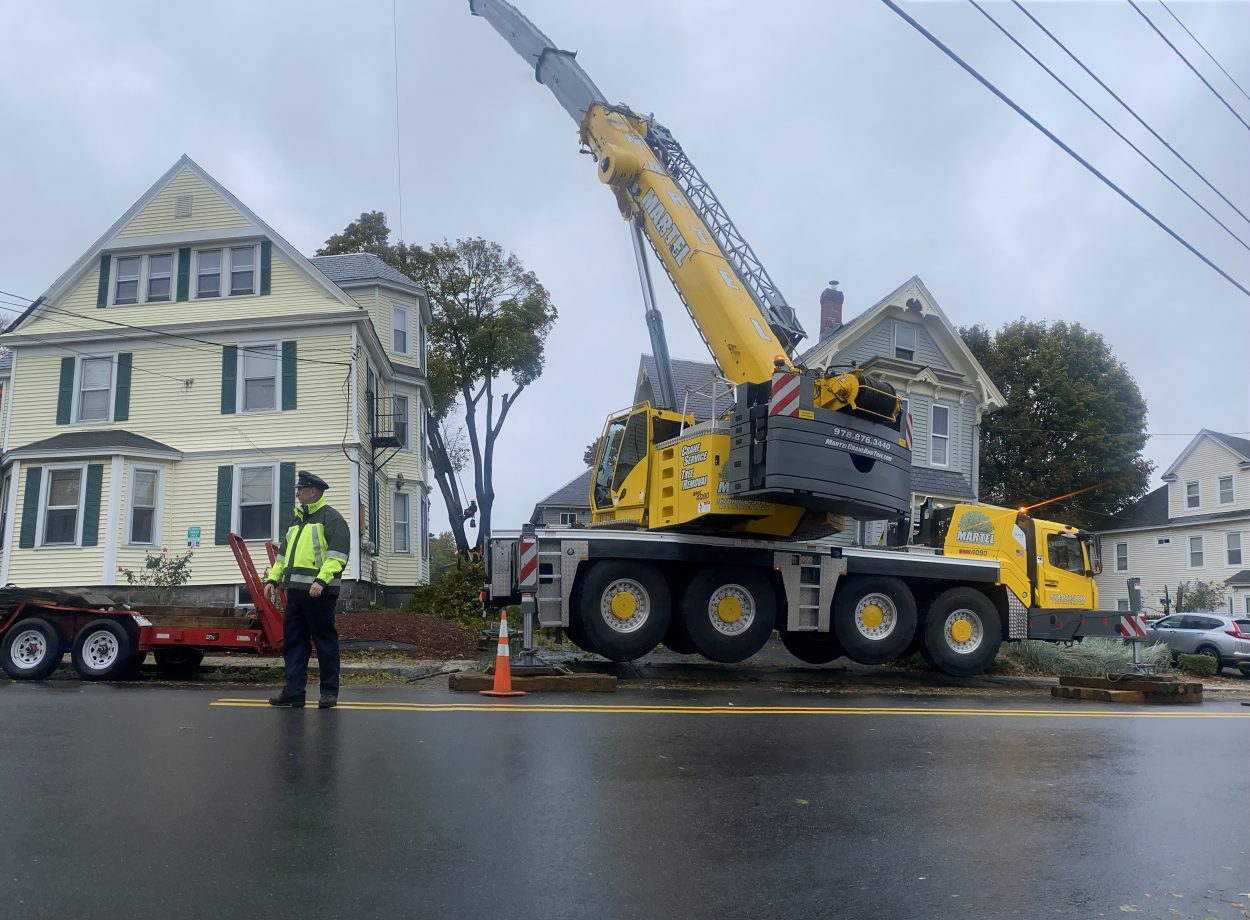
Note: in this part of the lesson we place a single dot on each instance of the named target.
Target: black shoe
(327, 701)
(294, 702)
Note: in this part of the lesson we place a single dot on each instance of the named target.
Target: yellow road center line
(746, 710)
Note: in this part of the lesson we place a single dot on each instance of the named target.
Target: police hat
(307, 480)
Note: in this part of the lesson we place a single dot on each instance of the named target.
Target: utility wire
(1155, 134)
(1066, 149)
(1204, 48)
(1157, 168)
(1189, 65)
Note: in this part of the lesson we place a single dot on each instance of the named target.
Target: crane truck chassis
(976, 576)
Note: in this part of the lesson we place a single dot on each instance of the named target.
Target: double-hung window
(1226, 490)
(1121, 557)
(256, 503)
(401, 522)
(208, 273)
(399, 329)
(1193, 495)
(143, 278)
(400, 410)
(95, 387)
(225, 272)
(1232, 542)
(1195, 552)
(62, 506)
(243, 270)
(160, 276)
(939, 436)
(258, 384)
(144, 484)
(127, 290)
(905, 341)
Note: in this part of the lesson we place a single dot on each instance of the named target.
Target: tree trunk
(446, 478)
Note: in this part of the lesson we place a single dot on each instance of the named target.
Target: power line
(1130, 110)
(1066, 149)
(1204, 48)
(1150, 23)
(980, 9)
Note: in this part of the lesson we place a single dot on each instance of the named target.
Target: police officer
(310, 562)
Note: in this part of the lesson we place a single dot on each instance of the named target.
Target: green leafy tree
(443, 554)
(491, 318)
(1074, 420)
(1199, 595)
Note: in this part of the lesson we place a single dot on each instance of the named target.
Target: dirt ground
(429, 637)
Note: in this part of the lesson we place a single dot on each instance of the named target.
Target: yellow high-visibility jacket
(314, 548)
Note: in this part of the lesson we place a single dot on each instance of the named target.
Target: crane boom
(738, 310)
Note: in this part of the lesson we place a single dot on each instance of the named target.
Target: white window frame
(1202, 551)
(567, 518)
(1118, 567)
(1163, 541)
(405, 328)
(1247, 604)
(933, 435)
(236, 509)
(45, 484)
(915, 340)
(227, 269)
(241, 382)
(1220, 490)
(1197, 496)
(1229, 549)
(406, 443)
(1122, 605)
(76, 408)
(407, 500)
(157, 530)
(143, 288)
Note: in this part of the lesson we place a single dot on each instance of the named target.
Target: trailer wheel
(813, 647)
(31, 650)
(178, 660)
(101, 650)
(962, 632)
(874, 618)
(625, 609)
(728, 612)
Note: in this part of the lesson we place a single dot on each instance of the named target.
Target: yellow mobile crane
(703, 530)
(798, 447)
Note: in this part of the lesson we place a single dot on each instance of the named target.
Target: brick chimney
(830, 309)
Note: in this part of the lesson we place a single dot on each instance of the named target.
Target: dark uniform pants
(310, 617)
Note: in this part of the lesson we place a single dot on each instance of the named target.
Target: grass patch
(1088, 658)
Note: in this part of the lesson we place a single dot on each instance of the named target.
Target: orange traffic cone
(503, 665)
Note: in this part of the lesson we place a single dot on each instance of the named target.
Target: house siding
(79, 566)
(1206, 463)
(209, 211)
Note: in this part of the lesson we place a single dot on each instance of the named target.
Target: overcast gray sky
(842, 143)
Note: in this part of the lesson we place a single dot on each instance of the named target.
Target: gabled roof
(1241, 578)
(912, 294)
(926, 481)
(693, 378)
(1239, 446)
(76, 272)
(1148, 511)
(573, 494)
(78, 443)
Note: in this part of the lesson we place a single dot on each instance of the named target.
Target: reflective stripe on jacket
(314, 548)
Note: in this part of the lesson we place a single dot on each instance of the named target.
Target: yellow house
(165, 389)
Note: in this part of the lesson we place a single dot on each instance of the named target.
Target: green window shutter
(286, 493)
(102, 295)
(266, 265)
(30, 507)
(225, 503)
(65, 393)
(91, 506)
(229, 377)
(121, 399)
(288, 375)
(184, 273)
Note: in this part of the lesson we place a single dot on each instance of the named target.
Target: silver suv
(1217, 635)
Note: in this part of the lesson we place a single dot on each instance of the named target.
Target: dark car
(1217, 635)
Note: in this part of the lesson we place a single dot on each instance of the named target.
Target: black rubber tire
(813, 647)
(177, 660)
(899, 624)
(677, 638)
(943, 651)
(712, 636)
(102, 650)
(38, 648)
(1211, 652)
(134, 665)
(620, 639)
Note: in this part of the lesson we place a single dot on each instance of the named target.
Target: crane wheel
(874, 617)
(729, 612)
(32, 649)
(813, 647)
(625, 608)
(962, 632)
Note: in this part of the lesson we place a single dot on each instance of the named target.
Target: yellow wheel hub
(961, 631)
(624, 605)
(872, 616)
(729, 609)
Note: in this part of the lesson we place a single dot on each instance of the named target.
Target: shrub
(454, 597)
(1088, 658)
(162, 572)
(1199, 665)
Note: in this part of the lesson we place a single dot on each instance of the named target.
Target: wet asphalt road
(141, 802)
